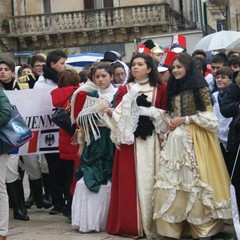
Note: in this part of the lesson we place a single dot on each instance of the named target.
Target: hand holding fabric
(177, 121)
(169, 123)
(145, 127)
(133, 92)
(142, 101)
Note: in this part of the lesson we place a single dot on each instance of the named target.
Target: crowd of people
(155, 145)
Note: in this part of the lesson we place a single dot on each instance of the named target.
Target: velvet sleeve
(161, 99)
(79, 102)
(122, 90)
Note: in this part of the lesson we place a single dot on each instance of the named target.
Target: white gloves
(133, 92)
(146, 111)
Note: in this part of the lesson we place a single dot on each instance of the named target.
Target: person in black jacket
(230, 107)
(55, 64)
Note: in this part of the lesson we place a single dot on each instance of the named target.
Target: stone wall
(234, 10)
(5, 10)
(124, 3)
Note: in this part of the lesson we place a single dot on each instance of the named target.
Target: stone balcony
(120, 24)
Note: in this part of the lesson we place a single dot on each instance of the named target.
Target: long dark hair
(153, 74)
(194, 80)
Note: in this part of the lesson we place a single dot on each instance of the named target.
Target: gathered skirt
(192, 189)
(89, 209)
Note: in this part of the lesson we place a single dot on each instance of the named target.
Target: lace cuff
(158, 120)
(125, 116)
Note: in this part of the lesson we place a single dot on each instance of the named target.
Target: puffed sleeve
(79, 102)
(206, 119)
(125, 117)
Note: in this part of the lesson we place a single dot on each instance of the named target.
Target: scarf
(89, 86)
(108, 93)
(50, 73)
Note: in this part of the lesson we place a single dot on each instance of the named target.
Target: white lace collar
(107, 93)
(142, 81)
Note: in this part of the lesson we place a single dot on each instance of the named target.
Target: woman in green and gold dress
(92, 193)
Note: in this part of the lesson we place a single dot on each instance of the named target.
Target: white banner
(35, 106)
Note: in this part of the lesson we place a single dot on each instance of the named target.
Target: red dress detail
(123, 215)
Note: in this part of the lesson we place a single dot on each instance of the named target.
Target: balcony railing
(110, 18)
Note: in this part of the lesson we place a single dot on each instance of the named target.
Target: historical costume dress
(131, 208)
(92, 193)
(192, 189)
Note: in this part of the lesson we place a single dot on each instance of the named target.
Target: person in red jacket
(68, 82)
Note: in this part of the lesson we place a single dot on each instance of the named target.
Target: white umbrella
(218, 40)
(235, 45)
(83, 59)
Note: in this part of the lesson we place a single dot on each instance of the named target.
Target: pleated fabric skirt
(89, 209)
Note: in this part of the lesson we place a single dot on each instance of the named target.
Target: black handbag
(61, 117)
(15, 133)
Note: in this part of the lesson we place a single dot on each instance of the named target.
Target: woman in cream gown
(137, 136)
(192, 189)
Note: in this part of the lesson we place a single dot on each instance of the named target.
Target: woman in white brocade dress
(192, 189)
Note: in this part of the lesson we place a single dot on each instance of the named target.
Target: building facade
(221, 15)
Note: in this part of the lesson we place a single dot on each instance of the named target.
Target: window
(221, 25)
(96, 4)
(47, 6)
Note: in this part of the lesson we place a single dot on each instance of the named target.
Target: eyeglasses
(38, 66)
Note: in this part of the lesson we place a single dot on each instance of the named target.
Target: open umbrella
(83, 59)
(235, 45)
(217, 40)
